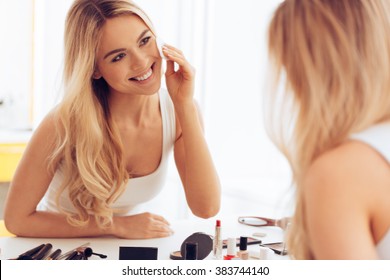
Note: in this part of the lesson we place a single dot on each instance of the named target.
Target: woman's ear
(96, 74)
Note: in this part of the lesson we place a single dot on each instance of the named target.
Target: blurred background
(225, 40)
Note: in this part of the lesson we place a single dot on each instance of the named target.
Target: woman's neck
(134, 110)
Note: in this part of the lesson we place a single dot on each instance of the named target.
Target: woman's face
(128, 58)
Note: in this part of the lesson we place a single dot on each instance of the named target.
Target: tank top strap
(378, 137)
(169, 120)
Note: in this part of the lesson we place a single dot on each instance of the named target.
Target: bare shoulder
(351, 167)
(50, 121)
(342, 192)
(44, 137)
(33, 172)
(48, 128)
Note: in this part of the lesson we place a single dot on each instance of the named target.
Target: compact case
(138, 253)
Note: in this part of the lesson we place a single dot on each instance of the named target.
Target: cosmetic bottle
(243, 254)
(265, 253)
(231, 249)
(191, 252)
(217, 242)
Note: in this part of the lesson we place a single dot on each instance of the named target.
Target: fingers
(159, 224)
(170, 47)
(175, 55)
(170, 68)
(154, 226)
(162, 219)
(161, 230)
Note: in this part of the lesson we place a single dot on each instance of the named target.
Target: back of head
(335, 58)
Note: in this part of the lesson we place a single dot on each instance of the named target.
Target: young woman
(334, 57)
(104, 149)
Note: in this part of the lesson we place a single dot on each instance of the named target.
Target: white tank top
(138, 190)
(378, 137)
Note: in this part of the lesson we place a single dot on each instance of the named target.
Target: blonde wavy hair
(332, 58)
(89, 151)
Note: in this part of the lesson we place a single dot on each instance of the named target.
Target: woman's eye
(145, 40)
(118, 57)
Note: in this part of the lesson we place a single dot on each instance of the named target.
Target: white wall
(15, 63)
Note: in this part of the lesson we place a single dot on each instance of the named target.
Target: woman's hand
(141, 226)
(180, 82)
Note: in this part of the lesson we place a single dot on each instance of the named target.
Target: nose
(138, 60)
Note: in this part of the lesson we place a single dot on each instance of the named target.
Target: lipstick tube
(217, 242)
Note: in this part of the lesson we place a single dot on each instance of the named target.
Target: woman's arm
(192, 156)
(342, 194)
(29, 185)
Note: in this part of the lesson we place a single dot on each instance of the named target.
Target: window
(16, 60)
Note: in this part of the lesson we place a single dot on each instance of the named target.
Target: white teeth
(144, 77)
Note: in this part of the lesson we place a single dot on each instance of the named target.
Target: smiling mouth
(143, 77)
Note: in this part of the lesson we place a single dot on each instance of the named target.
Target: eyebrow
(123, 49)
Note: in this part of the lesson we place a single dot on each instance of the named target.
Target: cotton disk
(160, 43)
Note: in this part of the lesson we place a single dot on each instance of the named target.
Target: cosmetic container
(217, 242)
(191, 252)
(265, 253)
(231, 249)
(243, 253)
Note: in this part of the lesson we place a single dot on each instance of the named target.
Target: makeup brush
(54, 255)
(66, 255)
(27, 255)
(71, 255)
(77, 257)
(41, 253)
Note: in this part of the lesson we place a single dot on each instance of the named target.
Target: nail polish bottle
(243, 253)
(191, 252)
(231, 249)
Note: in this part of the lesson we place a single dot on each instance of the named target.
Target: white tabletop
(12, 247)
